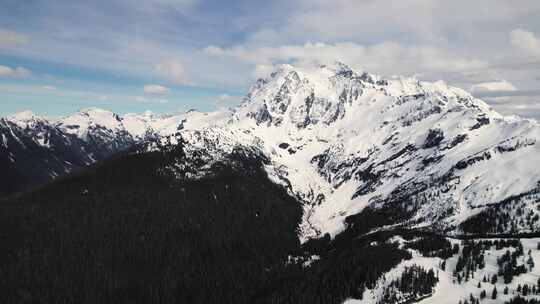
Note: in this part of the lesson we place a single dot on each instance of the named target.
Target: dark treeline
(470, 260)
(126, 232)
(340, 274)
(415, 283)
(433, 245)
(520, 300)
(508, 267)
(500, 218)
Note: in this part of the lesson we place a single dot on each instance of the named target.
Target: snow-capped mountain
(432, 154)
(35, 149)
(423, 154)
(343, 142)
(102, 129)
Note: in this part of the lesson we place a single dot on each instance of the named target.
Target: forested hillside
(127, 232)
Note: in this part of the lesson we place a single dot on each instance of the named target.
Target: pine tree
(530, 262)
(483, 294)
(455, 249)
(494, 293)
(507, 274)
(525, 289)
(494, 279)
(505, 291)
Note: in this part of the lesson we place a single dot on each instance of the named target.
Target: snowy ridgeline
(469, 274)
(341, 141)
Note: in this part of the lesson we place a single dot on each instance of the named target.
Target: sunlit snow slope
(346, 140)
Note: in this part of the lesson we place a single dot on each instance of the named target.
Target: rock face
(345, 142)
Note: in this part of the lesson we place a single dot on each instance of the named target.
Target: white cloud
(175, 4)
(213, 50)
(224, 99)
(140, 98)
(173, 71)
(525, 106)
(494, 86)
(525, 42)
(154, 89)
(11, 39)
(49, 88)
(143, 99)
(263, 70)
(18, 72)
(386, 58)
(411, 21)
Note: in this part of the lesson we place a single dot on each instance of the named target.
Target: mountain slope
(346, 141)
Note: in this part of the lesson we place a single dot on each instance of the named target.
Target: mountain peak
(24, 115)
(25, 119)
(95, 111)
(337, 66)
(348, 139)
(313, 67)
(79, 122)
(311, 94)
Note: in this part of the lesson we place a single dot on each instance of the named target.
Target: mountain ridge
(343, 141)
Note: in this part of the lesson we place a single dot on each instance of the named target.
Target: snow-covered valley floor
(449, 290)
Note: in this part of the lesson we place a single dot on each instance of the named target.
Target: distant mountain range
(424, 154)
(35, 150)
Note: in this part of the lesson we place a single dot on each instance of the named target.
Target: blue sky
(172, 55)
